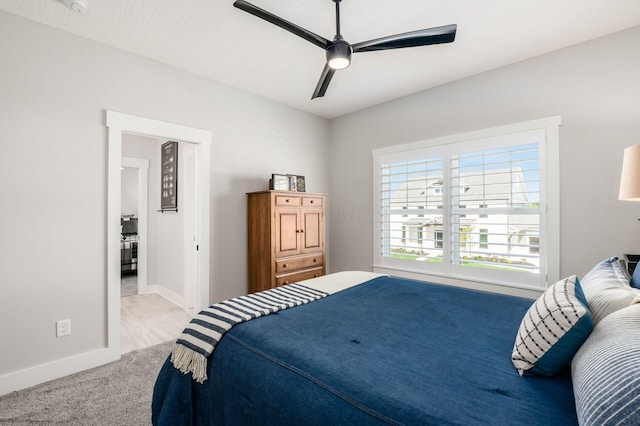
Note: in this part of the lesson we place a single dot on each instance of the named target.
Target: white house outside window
(472, 206)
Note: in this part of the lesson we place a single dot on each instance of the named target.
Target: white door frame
(190, 225)
(119, 123)
(142, 165)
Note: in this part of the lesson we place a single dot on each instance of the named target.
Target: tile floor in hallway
(149, 319)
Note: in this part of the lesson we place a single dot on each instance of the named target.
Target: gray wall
(129, 191)
(594, 86)
(54, 90)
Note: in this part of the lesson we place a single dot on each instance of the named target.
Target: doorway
(134, 204)
(199, 154)
(157, 249)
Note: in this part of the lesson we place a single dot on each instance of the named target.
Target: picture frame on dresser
(280, 182)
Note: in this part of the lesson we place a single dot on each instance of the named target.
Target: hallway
(149, 319)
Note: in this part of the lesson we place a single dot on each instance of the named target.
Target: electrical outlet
(63, 328)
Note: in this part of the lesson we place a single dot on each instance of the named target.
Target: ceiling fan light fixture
(339, 55)
(339, 63)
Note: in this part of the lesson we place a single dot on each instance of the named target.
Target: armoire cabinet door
(287, 231)
(312, 230)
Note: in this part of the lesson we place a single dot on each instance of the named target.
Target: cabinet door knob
(284, 265)
(286, 282)
(315, 260)
(311, 202)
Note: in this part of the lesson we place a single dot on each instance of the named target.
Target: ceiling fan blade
(323, 83)
(436, 35)
(276, 20)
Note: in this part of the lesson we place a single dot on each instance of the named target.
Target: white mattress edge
(338, 281)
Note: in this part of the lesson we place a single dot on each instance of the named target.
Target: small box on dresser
(286, 238)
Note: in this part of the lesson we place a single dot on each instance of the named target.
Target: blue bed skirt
(390, 351)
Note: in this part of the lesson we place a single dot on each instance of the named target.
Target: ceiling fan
(339, 50)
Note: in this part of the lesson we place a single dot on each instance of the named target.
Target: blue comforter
(390, 351)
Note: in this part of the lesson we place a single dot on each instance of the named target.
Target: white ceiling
(218, 41)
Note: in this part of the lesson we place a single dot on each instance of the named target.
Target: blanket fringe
(189, 361)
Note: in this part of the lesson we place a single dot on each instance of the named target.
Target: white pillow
(607, 289)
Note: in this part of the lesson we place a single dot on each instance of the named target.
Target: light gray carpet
(114, 394)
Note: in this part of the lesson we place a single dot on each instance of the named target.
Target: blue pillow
(552, 330)
(635, 278)
(606, 371)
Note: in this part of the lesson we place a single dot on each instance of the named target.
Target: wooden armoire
(286, 238)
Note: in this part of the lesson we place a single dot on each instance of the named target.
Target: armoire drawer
(312, 201)
(287, 200)
(295, 263)
(299, 276)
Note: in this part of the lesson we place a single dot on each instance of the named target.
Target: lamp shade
(630, 179)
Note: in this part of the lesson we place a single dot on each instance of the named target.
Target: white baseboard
(52, 370)
(42, 373)
(176, 298)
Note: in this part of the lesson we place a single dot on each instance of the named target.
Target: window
(437, 239)
(484, 238)
(483, 215)
(534, 243)
(479, 205)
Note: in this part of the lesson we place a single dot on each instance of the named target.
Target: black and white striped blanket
(199, 339)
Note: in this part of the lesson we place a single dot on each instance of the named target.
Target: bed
(387, 351)
(374, 349)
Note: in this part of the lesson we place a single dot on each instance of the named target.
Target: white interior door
(190, 226)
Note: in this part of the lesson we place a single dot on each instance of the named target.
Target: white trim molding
(544, 133)
(119, 123)
(42, 373)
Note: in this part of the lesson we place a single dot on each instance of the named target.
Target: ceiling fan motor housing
(339, 54)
